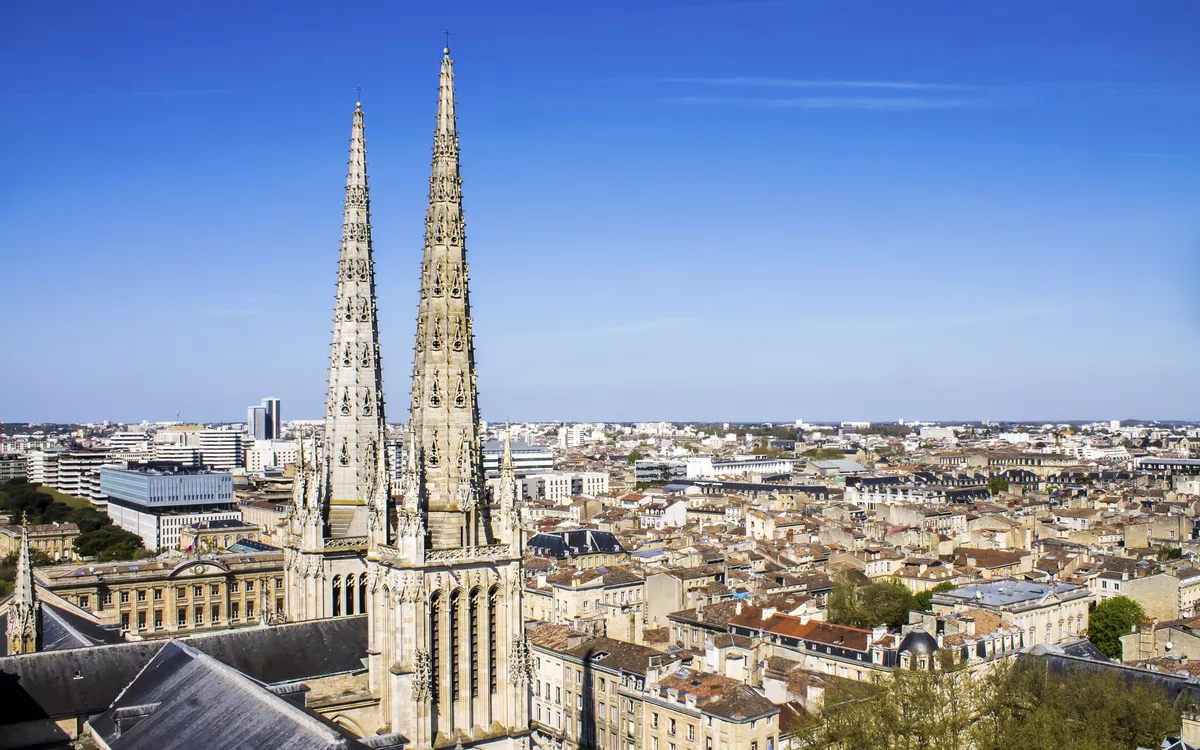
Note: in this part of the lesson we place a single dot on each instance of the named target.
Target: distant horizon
(776, 423)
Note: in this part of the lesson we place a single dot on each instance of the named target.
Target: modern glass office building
(156, 501)
(165, 487)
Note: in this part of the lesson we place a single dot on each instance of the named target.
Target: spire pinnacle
(22, 611)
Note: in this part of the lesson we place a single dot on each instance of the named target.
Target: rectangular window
(141, 595)
(234, 614)
(197, 591)
(181, 592)
(249, 587)
(654, 720)
(125, 621)
(233, 587)
(670, 726)
(558, 695)
(181, 617)
(124, 597)
(106, 598)
(199, 616)
(691, 732)
(141, 620)
(214, 589)
(158, 595)
(83, 602)
(158, 619)
(278, 583)
(249, 610)
(216, 613)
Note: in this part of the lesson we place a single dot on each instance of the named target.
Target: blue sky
(677, 209)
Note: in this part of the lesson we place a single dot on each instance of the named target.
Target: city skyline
(797, 215)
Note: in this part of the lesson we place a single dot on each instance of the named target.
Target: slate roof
(563, 544)
(87, 680)
(185, 699)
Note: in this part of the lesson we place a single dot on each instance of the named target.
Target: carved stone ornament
(421, 675)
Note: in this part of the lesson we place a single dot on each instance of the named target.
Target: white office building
(72, 468)
(134, 442)
(42, 467)
(185, 455)
(563, 485)
(527, 459)
(221, 449)
(270, 454)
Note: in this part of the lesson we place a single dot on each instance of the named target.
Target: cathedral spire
(22, 631)
(353, 444)
(445, 415)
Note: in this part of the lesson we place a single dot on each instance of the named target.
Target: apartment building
(591, 692)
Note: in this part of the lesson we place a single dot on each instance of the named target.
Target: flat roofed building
(526, 459)
(13, 466)
(157, 501)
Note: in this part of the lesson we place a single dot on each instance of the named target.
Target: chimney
(738, 608)
(541, 579)
(653, 665)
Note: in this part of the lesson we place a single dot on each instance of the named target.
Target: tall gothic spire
(355, 456)
(445, 414)
(23, 610)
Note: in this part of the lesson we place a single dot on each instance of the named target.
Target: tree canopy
(98, 537)
(1014, 706)
(1111, 619)
(859, 602)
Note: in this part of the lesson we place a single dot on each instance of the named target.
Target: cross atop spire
(446, 51)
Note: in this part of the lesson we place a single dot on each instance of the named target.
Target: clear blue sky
(677, 209)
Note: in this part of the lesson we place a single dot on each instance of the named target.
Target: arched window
(493, 608)
(473, 646)
(435, 646)
(349, 594)
(455, 642)
(337, 596)
(362, 594)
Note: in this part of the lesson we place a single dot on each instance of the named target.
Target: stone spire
(354, 459)
(22, 629)
(509, 497)
(445, 415)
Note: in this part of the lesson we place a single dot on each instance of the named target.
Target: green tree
(1012, 705)
(8, 568)
(996, 485)
(858, 602)
(824, 454)
(1169, 552)
(1111, 619)
(634, 455)
(924, 600)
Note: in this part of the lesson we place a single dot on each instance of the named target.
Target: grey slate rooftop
(184, 699)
